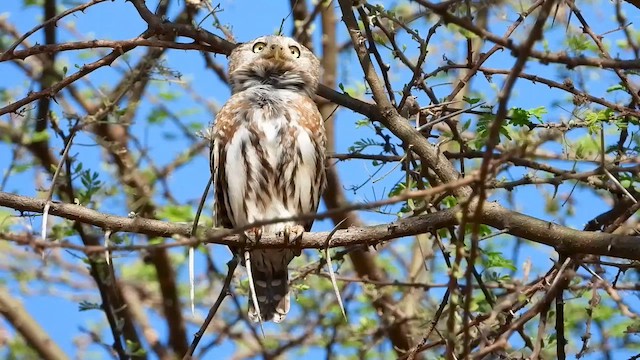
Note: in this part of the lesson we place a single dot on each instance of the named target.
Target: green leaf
(28, 3)
(596, 118)
(538, 112)
(494, 259)
(362, 123)
(20, 168)
(616, 88)
(578, 43)
(177, 213)
(471, 101)
(450, 201)
(362, 144)
(168, 96)
(521, 117)
(301, 287)
(195, 126)
(504, 131)
(157, 116)
(91, 185)
(86, 305)
(134, 349)
(38, 137)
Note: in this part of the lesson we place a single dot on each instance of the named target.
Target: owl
(267, 157)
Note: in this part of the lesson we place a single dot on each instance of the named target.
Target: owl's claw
(293, 232)
(254, 234)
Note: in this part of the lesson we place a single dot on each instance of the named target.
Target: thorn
(45, 217)
(192, 286)
(252, 287)
(335, 285)
(336, 290)
(107, 254)
(619, 185)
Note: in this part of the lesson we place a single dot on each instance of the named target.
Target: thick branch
(33, 334)
(563, 239)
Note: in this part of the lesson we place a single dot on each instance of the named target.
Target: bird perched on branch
(267, 157)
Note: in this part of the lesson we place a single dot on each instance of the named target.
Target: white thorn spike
(331, 273)
(335, 284)
(45, 217)
(252, 287)
(107, 242)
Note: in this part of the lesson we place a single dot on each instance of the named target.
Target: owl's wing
(311, 120)
(223, 130)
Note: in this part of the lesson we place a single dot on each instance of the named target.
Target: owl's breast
(276, 160)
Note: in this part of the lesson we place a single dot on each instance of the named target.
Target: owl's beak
(277, 52)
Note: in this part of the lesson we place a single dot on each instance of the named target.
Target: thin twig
(232, 264)
(194, 229)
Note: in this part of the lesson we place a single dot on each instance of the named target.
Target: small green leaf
(168, 96)
(176, 213)
(519, 117)
(86, 305)
(134, 349)
(38, 137)
(616, 88)
(301, 287)
(157, 116)
(362, 123)
(538, 112)
(471, 101)
(496, 260)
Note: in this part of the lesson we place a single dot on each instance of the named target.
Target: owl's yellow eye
(294, 51)
(259, 46)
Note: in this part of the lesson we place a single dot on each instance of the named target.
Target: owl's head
(276, 61)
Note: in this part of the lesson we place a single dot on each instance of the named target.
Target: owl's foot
(293, 232)
(254, 234)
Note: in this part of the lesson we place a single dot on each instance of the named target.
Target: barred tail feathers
(271, 281)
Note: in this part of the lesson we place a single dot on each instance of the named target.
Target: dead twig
(232, 264)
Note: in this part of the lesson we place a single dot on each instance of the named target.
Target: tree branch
(562, 238)
(30, 330)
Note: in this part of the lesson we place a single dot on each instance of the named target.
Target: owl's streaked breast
(272, 163)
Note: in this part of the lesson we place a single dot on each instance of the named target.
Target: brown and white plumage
(267, 155)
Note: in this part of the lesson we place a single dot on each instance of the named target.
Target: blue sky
(265, 18)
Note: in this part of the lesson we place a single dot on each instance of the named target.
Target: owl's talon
(294, 232)
(254, 234)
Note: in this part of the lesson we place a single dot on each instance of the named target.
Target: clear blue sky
(118, 20)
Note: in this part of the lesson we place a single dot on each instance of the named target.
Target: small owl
(267, 156)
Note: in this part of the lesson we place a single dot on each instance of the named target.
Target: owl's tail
(271, 280)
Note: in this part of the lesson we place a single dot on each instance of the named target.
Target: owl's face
(276, 61)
